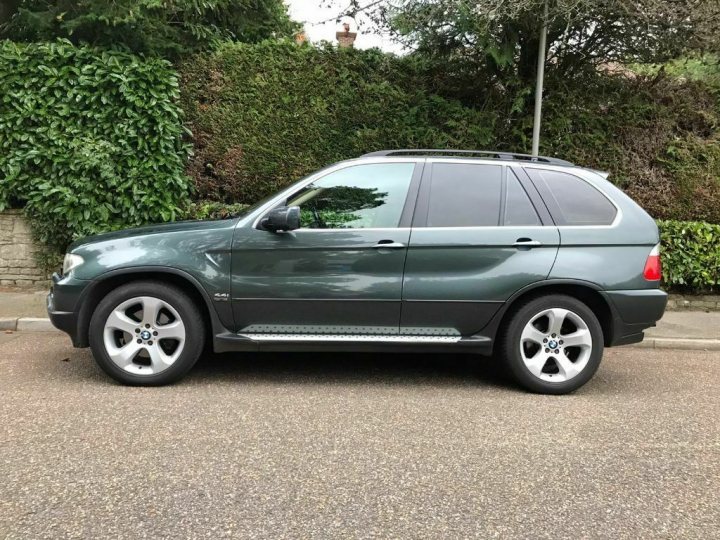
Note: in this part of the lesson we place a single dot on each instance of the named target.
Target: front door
(341, 271)
(479, 235)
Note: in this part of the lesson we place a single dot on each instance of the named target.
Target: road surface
(356, 446)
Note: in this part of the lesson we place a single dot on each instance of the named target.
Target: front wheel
(147, 333)
(553, 344)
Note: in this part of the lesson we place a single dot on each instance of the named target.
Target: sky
(320, 24)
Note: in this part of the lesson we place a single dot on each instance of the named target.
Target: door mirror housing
(285, 218)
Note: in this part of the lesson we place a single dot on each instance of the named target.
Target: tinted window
(578, 202)
(357, 197)
(464, 195)
(518, 208)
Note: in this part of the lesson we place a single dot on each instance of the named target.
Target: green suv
(531, 258)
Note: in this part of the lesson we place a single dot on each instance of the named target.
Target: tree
(503, 35)
(7, 8)
(158, 27)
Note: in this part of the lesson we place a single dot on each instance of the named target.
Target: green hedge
(264, 115)
(690, 255)
(90, 140)
(204, 210)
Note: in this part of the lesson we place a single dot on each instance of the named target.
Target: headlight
(71, 261)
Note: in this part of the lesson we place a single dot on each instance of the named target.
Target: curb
(27, 324)
(679, 343)
(34, 324)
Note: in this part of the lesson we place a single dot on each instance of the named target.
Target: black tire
(510, 344)
(190, 314)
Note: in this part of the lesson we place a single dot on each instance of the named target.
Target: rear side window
(577, 201)
(518, 208)
(464, 195)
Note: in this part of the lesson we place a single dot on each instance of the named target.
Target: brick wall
(18, 267)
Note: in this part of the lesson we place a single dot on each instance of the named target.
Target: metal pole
(539, 83)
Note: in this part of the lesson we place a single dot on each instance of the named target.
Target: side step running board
(251, 341)
(352, 338)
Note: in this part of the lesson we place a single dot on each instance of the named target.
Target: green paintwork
(337, 279)
(475, 266)
(202, 249)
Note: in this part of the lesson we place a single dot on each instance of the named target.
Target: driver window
(356, 197)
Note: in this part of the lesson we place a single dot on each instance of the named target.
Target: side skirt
(228, 342)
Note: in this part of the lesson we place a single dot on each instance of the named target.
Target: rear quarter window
(572, 200)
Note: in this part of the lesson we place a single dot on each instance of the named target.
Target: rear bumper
(634, 311)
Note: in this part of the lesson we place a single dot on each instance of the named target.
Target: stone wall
(18, 267)
(703, 302)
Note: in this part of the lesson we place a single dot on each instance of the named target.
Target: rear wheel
(147, 334)
(553, 344)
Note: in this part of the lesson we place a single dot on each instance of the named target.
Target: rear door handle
(526, 242)
(388, 244)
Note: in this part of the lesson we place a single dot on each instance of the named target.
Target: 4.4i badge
(221, 297)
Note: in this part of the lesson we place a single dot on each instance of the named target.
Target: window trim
(532, 191)
(544, 221)
(554, 209)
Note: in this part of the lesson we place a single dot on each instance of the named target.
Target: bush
(657, 137)
(265, 115)
(212, 210)
(90, 140)
(164, 28)
(690, 255)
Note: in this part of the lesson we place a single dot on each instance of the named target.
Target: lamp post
(539, 83)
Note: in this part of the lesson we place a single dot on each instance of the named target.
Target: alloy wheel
(556, 345)
(144, 335)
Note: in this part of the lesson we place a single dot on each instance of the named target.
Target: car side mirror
(285, 218)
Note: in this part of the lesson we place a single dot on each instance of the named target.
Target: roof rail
(488, 154)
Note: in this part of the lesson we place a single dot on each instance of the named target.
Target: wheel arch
(107, 282)
(585, 291)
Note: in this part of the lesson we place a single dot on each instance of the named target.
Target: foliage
(90, 140)
(265, 115)
(690, 255)
(704, 68)
(502, 36)
(205, 210)
(658, 137)
(166, 28)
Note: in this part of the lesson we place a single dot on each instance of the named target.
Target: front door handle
(526, 242)
(388, 244)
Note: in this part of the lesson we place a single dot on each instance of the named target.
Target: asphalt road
(356, 446)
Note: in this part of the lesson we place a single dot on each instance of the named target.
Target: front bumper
(634, 311)
(63, 305)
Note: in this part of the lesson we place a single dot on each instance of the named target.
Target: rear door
(480, 233)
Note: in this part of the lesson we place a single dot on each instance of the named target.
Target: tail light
(653, 270)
